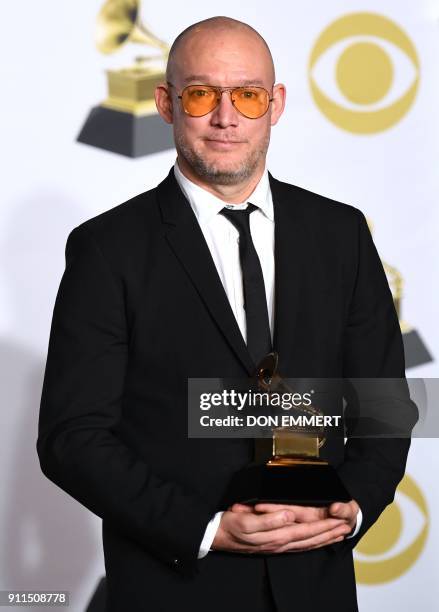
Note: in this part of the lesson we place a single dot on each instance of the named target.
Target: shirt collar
(205, 205)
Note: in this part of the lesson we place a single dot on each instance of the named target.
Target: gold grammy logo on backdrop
(385, 552)
(127, 121)
(415, 350)
(364, 47)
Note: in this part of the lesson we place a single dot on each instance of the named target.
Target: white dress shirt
(222, 238)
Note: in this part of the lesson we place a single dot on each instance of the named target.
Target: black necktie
(255, 300)
(255, 303)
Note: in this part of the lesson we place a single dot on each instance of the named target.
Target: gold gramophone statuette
(416, 351)
(290, 445)
(294, 473)
(127, 121)
(130, 89)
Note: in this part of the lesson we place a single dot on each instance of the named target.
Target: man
(153, 294)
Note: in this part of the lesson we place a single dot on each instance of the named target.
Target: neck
(232, 194)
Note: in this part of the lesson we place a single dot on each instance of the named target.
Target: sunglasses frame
(220, 91)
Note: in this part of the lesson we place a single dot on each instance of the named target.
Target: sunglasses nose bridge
(219, 97)
(221, 91)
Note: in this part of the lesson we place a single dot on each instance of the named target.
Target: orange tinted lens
(251, 101)
(198, 100)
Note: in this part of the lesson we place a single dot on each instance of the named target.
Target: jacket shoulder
(313, 204)
(123, 220)
(121, 234)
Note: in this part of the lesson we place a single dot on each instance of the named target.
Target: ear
(278, 103)
(163, 101)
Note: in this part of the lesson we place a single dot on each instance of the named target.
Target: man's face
(223, 147)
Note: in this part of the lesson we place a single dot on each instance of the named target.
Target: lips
(225, 143)
(222, 137)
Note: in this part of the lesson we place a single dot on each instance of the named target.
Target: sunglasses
(199, 100)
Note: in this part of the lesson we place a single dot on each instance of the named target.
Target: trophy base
(416, 353)
(125, 133)
(303, 483)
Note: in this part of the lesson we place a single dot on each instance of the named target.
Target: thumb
(339, 510)
(241, 508)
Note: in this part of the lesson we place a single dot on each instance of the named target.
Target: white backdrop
(52, 74)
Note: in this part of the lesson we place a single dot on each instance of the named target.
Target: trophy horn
(119, 22)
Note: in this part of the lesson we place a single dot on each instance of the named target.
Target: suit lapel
(291, 253)
(187, 241)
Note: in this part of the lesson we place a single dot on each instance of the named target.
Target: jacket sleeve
(373, 348)
(81, 403)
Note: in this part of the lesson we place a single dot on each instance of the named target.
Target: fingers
(241, 508)
(340, 510)
(295, 535)
(324, 539)
(275, 532)
(237, 530)
(303, 513)
(251, 524)
(347, 511)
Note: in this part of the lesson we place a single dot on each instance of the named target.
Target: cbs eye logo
(396, 540)
(364, 73)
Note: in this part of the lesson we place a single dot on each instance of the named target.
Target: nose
(225, 114)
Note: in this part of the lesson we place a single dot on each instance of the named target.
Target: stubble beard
(217, 176)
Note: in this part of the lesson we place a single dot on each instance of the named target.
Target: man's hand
(305, 514)
(347, 511)
(277, 529)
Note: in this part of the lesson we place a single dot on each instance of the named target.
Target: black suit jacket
(141, 309)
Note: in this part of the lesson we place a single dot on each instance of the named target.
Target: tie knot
(239, 218)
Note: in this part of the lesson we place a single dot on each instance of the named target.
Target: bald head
(211, 32)
(224, 149)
